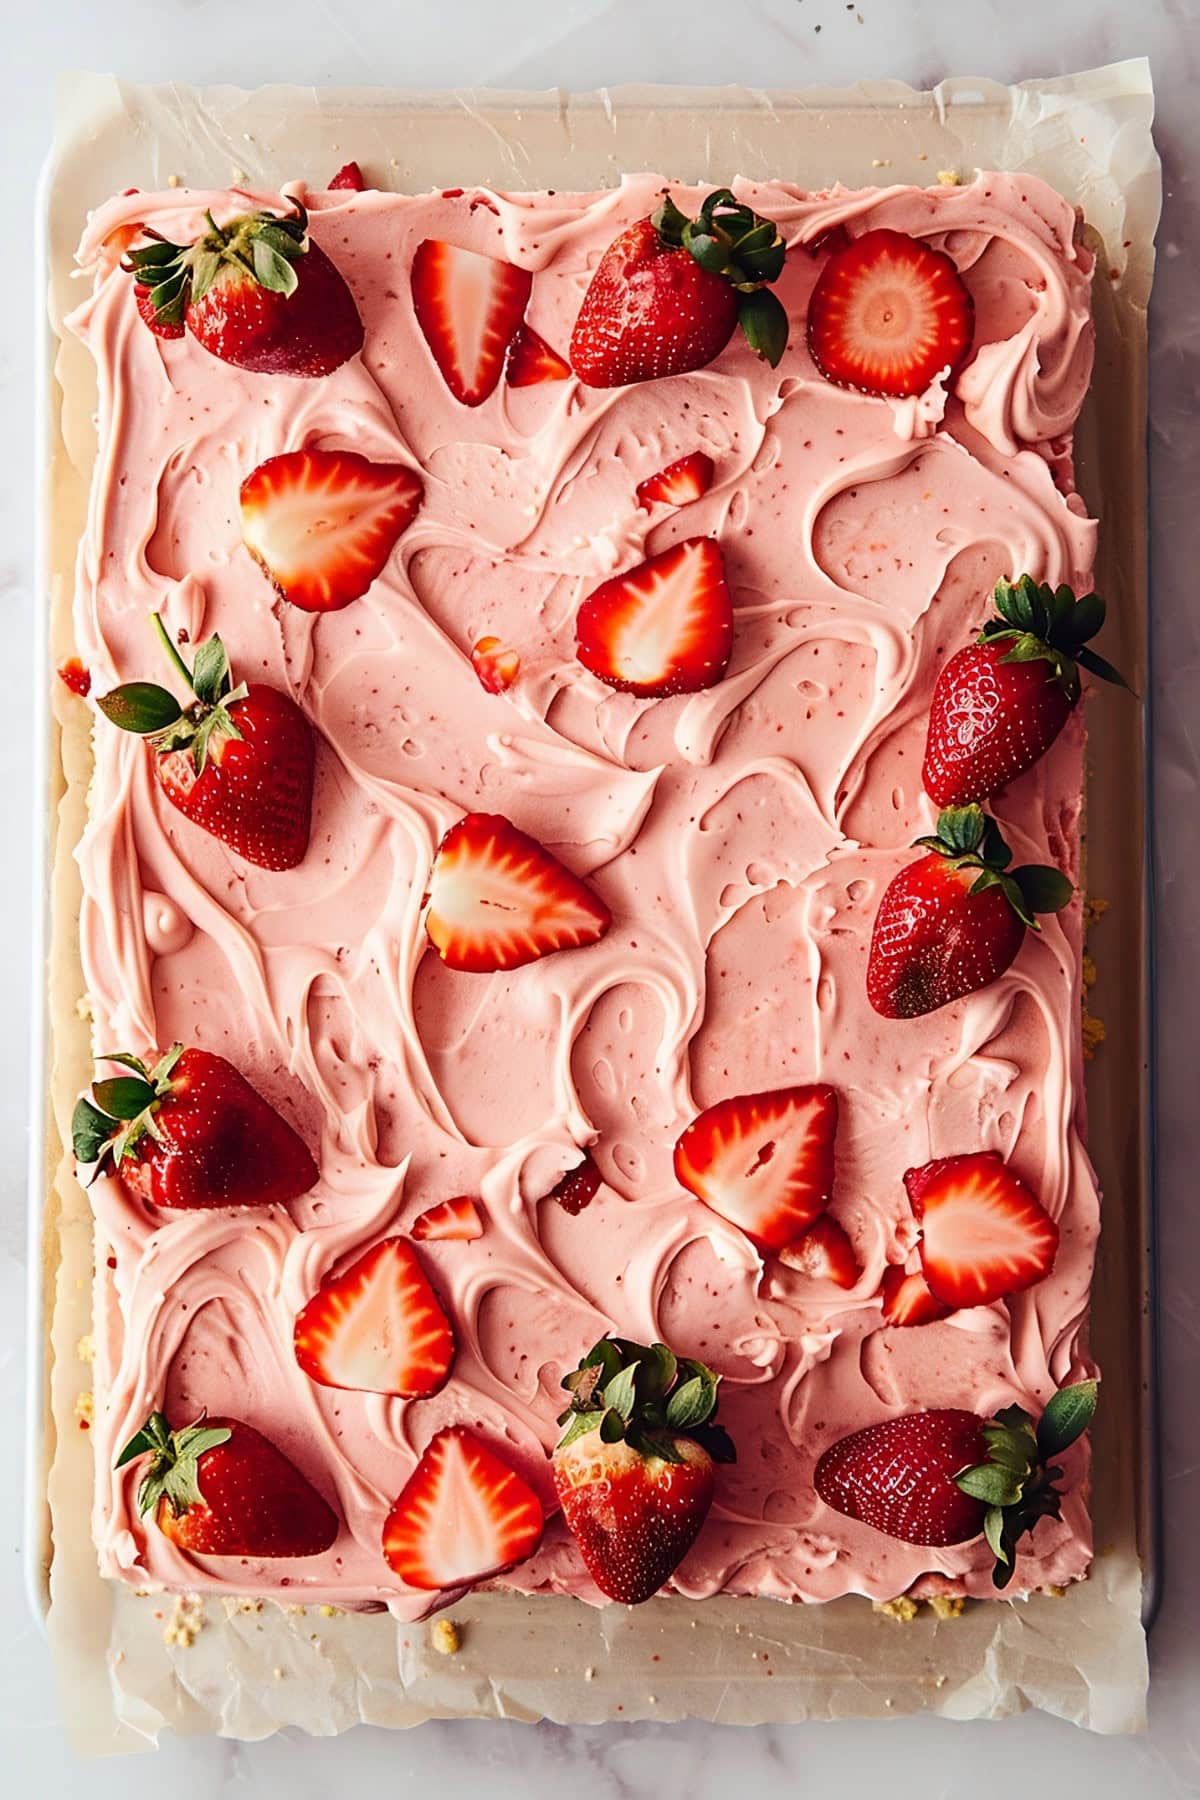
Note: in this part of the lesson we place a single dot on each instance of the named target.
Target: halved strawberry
(763, 1161)
(468, 307)
(665, 627)
(888, 314)
(377, 1328)
(530, 360)
(983, 1233)
(349, 178)
(498, 900)
(461, 1516)
(679, 483)
(321, 524)
(455, 1220)
(578, 1187)
(907, 1299)
(496, 664)
(825, 1252)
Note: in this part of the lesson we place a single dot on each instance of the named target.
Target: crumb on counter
(1055, 1592)
(946, 1606)
(83, 1008)
(329, 1612)
(85, 1349)
(904, 1608)
(948, 178)
(1094, 910)
(445, 1636)
(186, 1622)
(85, 1408)
(172, 181)
(1094, 1034)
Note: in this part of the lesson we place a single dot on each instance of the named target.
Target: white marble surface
(583, 43)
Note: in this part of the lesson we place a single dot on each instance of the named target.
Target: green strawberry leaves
(122, 1110)
(174, 1471)
(646, 1396)
(1017, 1481)
(729, 239)
(1040, 623)
(257, 246)
(969, 839)
(153, 713)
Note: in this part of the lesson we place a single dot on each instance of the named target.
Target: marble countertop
(583, 44)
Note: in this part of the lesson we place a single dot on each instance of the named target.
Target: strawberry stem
(168, 644)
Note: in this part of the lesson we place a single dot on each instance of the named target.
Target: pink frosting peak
(740, 836)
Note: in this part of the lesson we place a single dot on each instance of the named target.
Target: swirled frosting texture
(741, 837)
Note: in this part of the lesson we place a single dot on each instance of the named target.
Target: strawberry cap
(1045, 624)
(731, 240)
(174, 1474)
(1015, 1482)
(645, 1396)
(123, 1110)
(150, 711)
(258, 245)
(969, 839)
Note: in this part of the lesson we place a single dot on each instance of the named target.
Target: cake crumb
(1055, 1592)
(277, 1672)
(1094, 1034)
(172, 181)
(83, 1008)
(589, 1674)
(1094, 910)
(948, 178)
(186, 1622)
(329, 1612)
(296, 1611)
(445, 1636)
(85, 1407)
(85, 1349)
(881, 162)
(903, 1608)
(946, 1606)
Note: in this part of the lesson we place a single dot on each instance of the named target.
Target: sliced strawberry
(74, 676)
(468, 307)
(679, 483)
(143, 299)
(825, 1252)
(578, 1187)
(665, 627)
(496, 664)
(377, 1327)
(349, 179)
(763, 1161)
(907, 1299)
(451, 1221)
(498, 900)
(531, 360)
(888, 314)
(321, 524)
(462, 1516)
(984, 1234)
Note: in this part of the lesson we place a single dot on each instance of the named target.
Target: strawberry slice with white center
(984, 1234)
(462, 1515)
(888, 315)
(498, 899)
(665, 627)
(531, 360)
(679, 483)
(377, 1328)
(321, 524)
(451, 1221)
(907, 1299)
(468, 307)
(763, 1161)
(823, 1252)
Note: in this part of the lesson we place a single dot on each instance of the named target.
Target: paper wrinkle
(249, 1672)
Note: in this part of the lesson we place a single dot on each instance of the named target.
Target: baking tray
(479, 138)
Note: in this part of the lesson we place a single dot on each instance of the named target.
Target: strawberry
(349, 179)
(952, 922)
(238, 761)
(633, 1470)
(498, 900)
(496, 665)
(888, 315)
(763, 1161)
(321, 524)
(668, 292)
(686, 479)
(75, 677)
(577, 1188)
(942, 1477)
(664, 627)
(983, 1233)
(219, 1488)
(530, 360)
(377, 1328)
(463, 1515)
(468, 307)
(256, 292)
(823, 1252)
(907, 1299)
(455, 1220)
(1000, 703)
(160, 324)
(190, 1131)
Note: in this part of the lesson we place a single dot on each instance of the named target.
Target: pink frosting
(741, 837)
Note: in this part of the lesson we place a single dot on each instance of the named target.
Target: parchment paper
(131, 1665)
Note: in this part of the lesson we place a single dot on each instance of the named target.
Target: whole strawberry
(954, 921)
(668, 292)
(634, 1469)
(237, 761)
(255, 292)
(219, 1488)
(999, 704)
(944, 1476)
(188, 1132)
